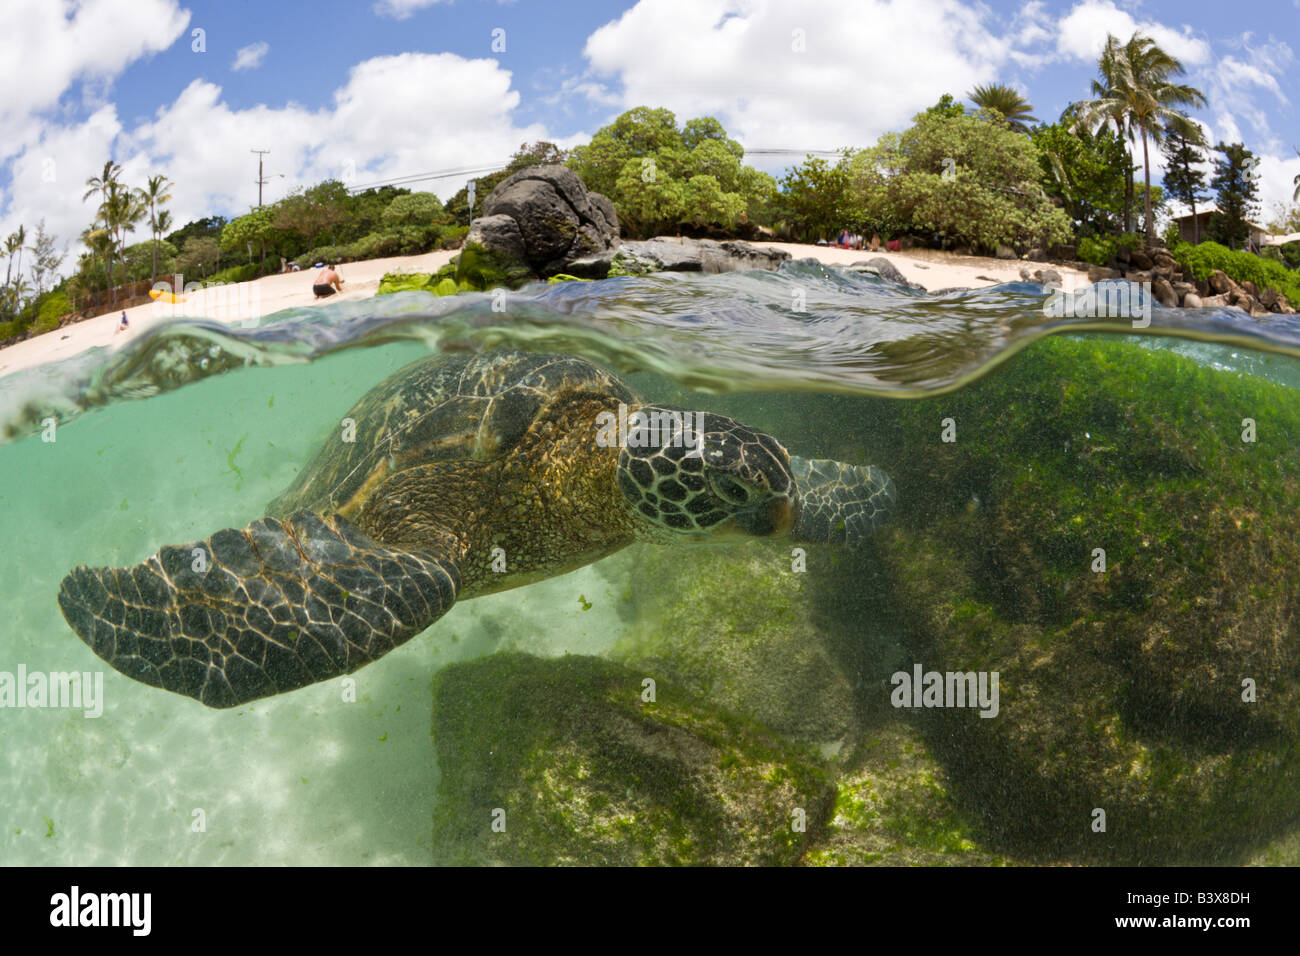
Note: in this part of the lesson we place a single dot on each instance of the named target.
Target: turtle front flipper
(839, 503)
(251, 613)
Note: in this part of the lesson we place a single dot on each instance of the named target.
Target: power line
(421, 177)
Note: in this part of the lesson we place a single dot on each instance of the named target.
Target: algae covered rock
(1114, 529)
(739, 627)
(567, 761)
(893, 808)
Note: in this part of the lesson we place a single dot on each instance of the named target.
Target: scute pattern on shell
(472, 407)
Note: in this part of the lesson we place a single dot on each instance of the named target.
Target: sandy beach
(234, 303)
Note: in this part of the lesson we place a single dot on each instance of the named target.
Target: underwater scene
(1024, 590)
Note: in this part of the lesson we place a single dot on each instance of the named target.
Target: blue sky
(372, 90)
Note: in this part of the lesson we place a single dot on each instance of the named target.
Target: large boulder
(1130, 566)
(574, 760)
(555, 219)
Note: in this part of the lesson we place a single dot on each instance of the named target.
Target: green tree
(817, 198)
(121, 211)
(964, 177)
(999, 98)
(311, 212)
(1085, 172)
(1184, 179)
(155, 194)
(646, 166)
(1236, 190)
(947, 106)
(45, 259)
(414, 209)
(1139, 95)
(201, 254)
(252, 230)
(103, 185)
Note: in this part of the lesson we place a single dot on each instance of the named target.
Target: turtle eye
(730, 489)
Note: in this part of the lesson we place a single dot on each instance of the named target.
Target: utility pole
(261, 180)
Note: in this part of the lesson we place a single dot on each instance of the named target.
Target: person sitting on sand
(875, 242)
(122, 327)
(327, 281)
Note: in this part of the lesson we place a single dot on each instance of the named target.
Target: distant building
(1188, 225)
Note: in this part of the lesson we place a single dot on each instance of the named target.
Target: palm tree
(20, 242)
(104, 184)
(1007, 101)
(1141, 99)
(121, 210)
(155, 194)
(11, 247)
(1296, 195)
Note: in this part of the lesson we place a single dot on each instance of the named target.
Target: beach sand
(931, 269)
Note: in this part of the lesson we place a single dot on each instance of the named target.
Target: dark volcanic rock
(556, 219)
(671, 254)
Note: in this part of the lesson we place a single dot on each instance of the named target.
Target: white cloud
(1235, 83)
(45, 47)
(250, 57)
(379, 126)
(401, 9)
(866, 67)
(1082, 33)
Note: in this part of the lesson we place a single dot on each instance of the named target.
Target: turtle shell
(462, 407)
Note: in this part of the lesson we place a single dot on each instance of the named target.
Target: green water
(1130, 447)
(293, 780)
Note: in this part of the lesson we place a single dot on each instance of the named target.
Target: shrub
(1201, 260)
(52, 308)
(1099, 250)
(9, 330)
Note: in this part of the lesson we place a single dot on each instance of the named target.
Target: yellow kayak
(165, 296)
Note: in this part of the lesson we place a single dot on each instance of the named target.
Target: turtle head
(700, 475)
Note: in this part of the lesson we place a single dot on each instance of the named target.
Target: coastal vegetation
(987, 177)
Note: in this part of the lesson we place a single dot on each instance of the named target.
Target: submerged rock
(574, 765)
(893, 808)
(738, 628)
(1159, 681)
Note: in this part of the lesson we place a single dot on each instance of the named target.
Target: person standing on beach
(327, 281)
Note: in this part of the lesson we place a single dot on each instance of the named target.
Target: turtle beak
(773, 517)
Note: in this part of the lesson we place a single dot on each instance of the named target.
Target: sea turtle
(457, 476)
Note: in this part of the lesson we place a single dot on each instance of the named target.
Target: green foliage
(1183, 179)
(414, 209)
(1201, 260)
(206, 228)
(1085, 171)
(11, 329)
(254, 228)
(199, 256)
(661, 178)
(1236, 190)
(947, 106)
(1099, 250)
(312, 211)
(969, 178)
(1007, 102)
(818, 198)
(52, 308)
